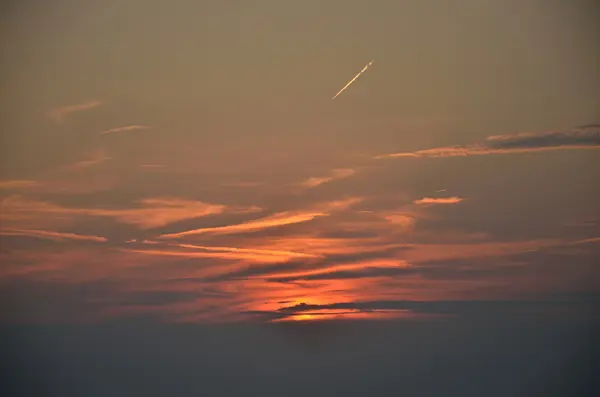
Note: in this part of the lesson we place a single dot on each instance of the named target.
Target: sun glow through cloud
(186, 163)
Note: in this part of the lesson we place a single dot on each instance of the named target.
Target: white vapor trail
(352, 81)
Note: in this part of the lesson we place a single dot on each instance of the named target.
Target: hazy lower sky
(183, 161)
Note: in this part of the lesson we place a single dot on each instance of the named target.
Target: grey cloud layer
(584, 137)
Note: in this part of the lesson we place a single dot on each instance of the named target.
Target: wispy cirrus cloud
(361, 260)
(438, 200)
(275, 220)
(249, 255)
(335, 174)
(19, 184)
(154, 212)
(285, 254)
(51, 235)
(270, 221)
(585, 137)
(95, 157)
(152, 166)
(299, 268)
(58, 114)
(339, 270)
(125, 129)
(244, 184)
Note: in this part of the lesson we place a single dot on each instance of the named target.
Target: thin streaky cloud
(275, 220)
(441, 307)
(439, 200)
(587, 240)
(217, 252)
(51, 235)
(250, 250)
(152, 166)
(96, 157)
(154, 212)
(243, 184)
(271, 221)
(331, 269)
(19, 184)
(587, 137)
(126, 128)
(335, 175)
(225, 255)
(58, 114)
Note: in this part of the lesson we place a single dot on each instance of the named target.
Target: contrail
(352, 81)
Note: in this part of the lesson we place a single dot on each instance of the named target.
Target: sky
(176, 179)
(184, 161)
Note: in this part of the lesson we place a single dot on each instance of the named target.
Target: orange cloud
(320, 246)
(335, 175)
(226, 253)
(284, 254)
(155, 212)
(477, 150)
(245, 256)
(96, 157)
(19, 184)
(404, 221)
(52, 235)
(193, 250)
(152, 166)
(126, 128)
(379, 263)
(438, 200)
(275, 220)
(58, 114)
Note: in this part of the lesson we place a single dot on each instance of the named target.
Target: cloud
(585, 137)
(126, 128)
(152, 166)
(57, 301)
(19, 184)
(446, 307)
(360, 259)
(418, 308)
(418, 253)
(403, 221)
(278, 253)
(429, 261)
(248, 184)
(51, 235)
(217, 252)
(154, 212)
(300, 267)
(438, 200)
(275, 220)
(436, 306)
(335, 175)
(58, 114)
(271, 221)
(96, 157)
(368, 269)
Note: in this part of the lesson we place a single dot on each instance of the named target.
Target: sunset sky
(183, 161)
